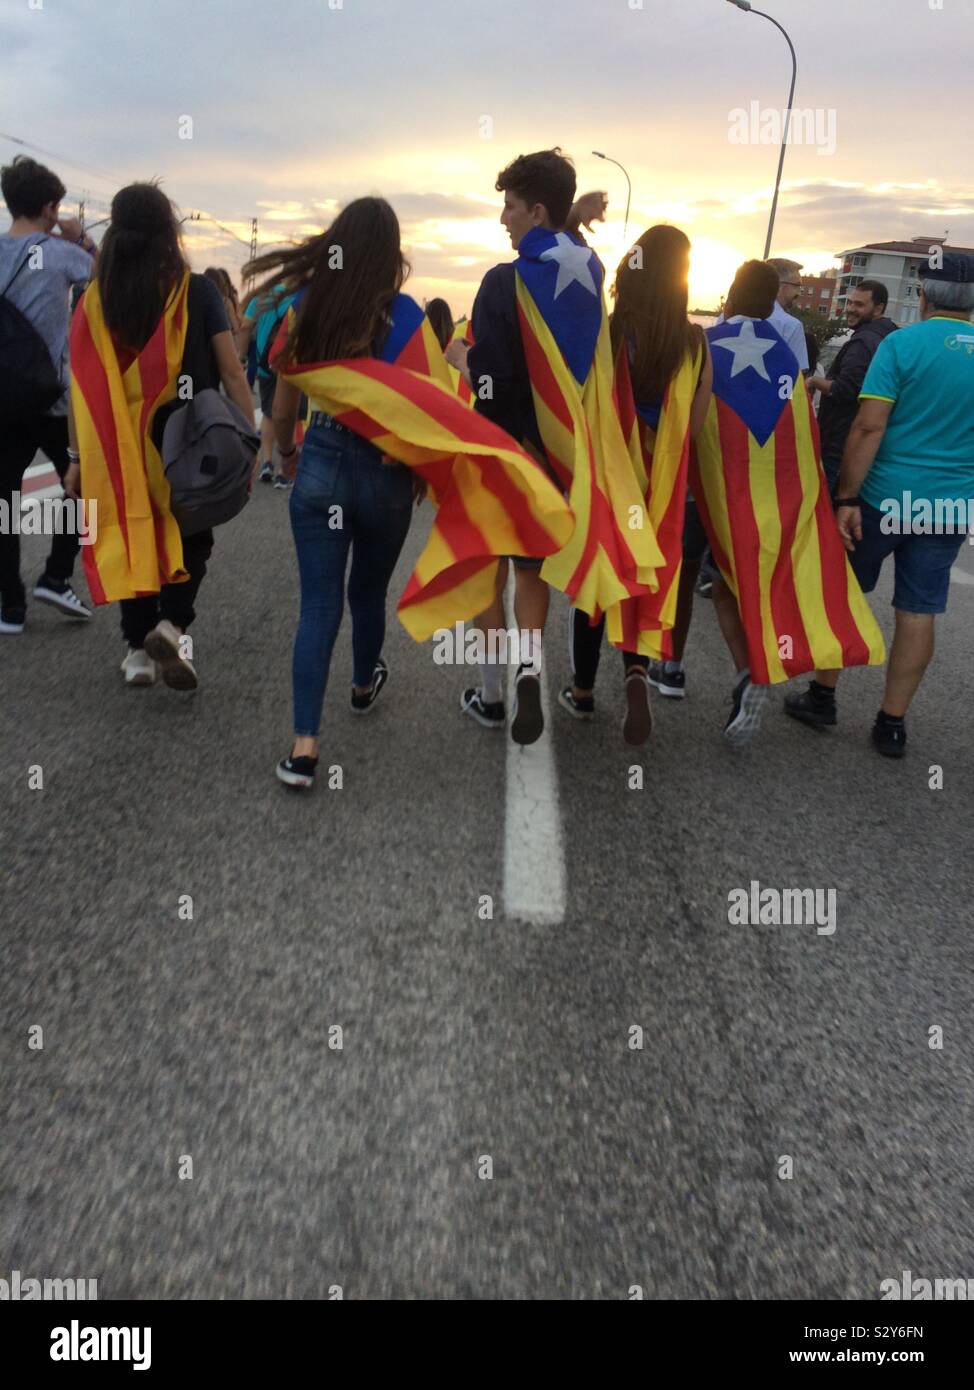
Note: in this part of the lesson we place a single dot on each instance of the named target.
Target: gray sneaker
(748, 702)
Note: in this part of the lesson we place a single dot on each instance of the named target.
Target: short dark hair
(877, 289)
(546, 177)
(28, 187)
(754, 290)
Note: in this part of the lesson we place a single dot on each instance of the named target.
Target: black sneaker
(672, 684)
(638, 722)
(747, 707)
(889, 738)
(817, 711)
(298, 772)
(361, 704)
(266, 474)
(579, 707)
(60, 595)
(491, 716)
(704, 586)
(527, 725)
(12, 619)
(282, 483)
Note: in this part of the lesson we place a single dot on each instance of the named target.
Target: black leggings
(19, 444)
(586, 648)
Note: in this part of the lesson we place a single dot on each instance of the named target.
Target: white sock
(491, 683)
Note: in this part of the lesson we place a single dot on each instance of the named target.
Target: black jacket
(498, 353)
(847, 373)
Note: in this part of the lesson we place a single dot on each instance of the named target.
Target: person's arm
(861, 448)
(244, 334)
(456, 354)
(496, 359)
(232, 373)
(589, 208)
(848, 383)
(705, 389)
(287, 399)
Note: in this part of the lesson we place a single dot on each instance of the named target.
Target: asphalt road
(612, 1167)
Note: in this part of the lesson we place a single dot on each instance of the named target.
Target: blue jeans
(344, 498)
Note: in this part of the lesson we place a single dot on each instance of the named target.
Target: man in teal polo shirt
(906, 487)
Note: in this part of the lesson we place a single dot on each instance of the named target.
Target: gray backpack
(208, 452)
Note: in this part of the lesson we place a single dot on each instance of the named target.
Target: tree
(822, 330)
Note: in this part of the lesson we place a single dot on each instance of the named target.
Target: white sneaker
(139, 669)
(162, 644)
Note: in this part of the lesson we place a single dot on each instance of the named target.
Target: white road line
(959, 576)
(534, 852)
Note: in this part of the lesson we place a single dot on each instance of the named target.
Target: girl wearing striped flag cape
(385, 425)
(663, 378)
(146, 335)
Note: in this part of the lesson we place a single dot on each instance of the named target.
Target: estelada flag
(659, 444)
(137, 546)
(756, 476)
(491, 497)
(612, 553)
(462, 333)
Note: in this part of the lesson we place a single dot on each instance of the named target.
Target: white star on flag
(749, 350)
(573, 264)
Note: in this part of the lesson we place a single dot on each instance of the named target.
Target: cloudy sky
(296, 106)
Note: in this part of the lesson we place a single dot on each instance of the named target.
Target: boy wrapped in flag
(541, 367)
(787, 600)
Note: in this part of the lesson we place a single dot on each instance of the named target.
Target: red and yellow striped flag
(462, 333)
(661, 459)
(491, 497)
(612, 553)
(756, 477)
(138, 547)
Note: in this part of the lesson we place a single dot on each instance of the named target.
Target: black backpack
(208, 453)
(29, 382)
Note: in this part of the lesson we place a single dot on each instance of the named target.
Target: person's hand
(589, 208)
(817, 383)
(456, 354)
(849, 522)
(72, 481)
(71, 229)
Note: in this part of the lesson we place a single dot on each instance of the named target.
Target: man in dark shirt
(539, 190)
(865, 315)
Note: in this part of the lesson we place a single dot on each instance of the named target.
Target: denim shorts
(922, 563)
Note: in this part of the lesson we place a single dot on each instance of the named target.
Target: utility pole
(253, 238)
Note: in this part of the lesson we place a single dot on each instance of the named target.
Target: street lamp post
(744, 5)
(599, 155)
